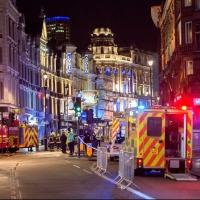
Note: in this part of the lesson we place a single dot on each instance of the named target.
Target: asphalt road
(52, 175)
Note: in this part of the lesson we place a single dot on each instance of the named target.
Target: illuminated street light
(150, 63)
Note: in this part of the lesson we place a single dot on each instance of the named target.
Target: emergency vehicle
(28, 136)
(161, 139)
(15, 137)
(117, 137)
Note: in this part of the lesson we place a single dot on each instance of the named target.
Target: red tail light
(140, 162)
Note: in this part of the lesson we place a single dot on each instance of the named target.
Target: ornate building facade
(124, 78)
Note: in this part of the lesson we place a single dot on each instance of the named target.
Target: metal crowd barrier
(126, 169)
(102, 160)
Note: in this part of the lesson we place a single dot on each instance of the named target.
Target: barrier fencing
(126, 169)
(126, 165)
(102, 158)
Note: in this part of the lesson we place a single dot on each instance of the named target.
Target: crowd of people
(68, 139)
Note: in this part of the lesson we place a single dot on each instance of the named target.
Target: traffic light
(77, 106)
(90, 116)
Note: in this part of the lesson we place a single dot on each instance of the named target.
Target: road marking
(14, 184)
(85, 170)
(76, 166)
(138, 193)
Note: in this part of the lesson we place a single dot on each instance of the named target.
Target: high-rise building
(58, 31)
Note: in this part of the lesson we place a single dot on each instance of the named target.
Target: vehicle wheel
(11, 150)
(139, 172)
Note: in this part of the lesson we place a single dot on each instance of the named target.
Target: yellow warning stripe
(115, 128)
(189, 135)
(151, 159)
(30, 137)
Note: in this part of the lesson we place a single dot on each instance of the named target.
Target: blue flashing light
(153, 172)
(196, 101)
(141, 107)
(57, 18)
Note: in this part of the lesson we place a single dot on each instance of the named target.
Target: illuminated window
(118, 106)
(1, 56)
(197, 33)
(179, 33)
(1, 90)
(188, 32)
(107, 71)
(188, 3)
(189, 67)
(197, 4)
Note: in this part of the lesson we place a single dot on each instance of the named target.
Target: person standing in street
(63, 140)
(70, 141)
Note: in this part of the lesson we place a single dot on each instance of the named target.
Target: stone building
(9, 68)
(179, 24)
(124, 78)
(123, 74)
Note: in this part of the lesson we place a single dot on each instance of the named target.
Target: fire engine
(161, 139)
(15, 137)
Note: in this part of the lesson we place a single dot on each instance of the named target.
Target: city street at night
(52, 175)
(100, 99)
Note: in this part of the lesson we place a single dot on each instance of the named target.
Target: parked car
(115, 148)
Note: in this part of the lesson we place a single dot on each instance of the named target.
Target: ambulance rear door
(151, 135)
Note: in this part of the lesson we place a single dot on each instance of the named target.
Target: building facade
(124, 78)
(9, 82)
(179, 24)
(30, 94)
(58, 31)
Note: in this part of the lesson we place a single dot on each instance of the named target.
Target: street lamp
(45, 104)
(150, 63)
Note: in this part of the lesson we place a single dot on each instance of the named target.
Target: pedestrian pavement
(196, 164)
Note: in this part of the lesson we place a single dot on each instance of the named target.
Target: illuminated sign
(86, 64)
(196, 101)
(133, 103)
(69, 63)
(89, 97)
(57, 19)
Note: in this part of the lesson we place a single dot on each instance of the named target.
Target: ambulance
(161, 139)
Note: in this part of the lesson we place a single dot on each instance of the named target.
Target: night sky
(130, 20)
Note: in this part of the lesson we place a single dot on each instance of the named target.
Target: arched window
(108, 71)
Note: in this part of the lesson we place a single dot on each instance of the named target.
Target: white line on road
(85, 170)
(138, 193)
(76, 166)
